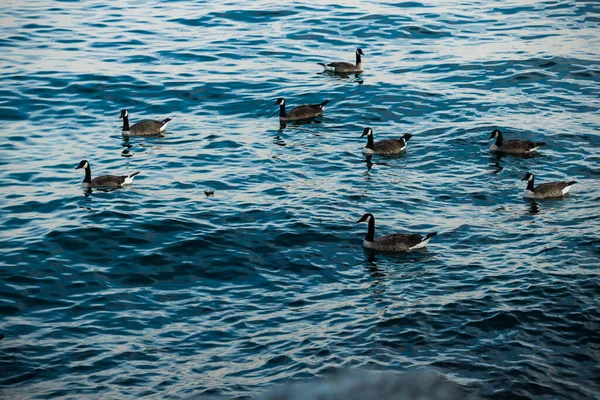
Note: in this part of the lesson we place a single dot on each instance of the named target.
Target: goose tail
(424, 241)
(129, 179)
(571, 183)
(323, 104)
(327, 67)
(540, 144)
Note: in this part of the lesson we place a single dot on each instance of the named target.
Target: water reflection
(87, 192)
(370, 163)
(534, 208)
(283, 125)
(374, 272)
(343, 76)
(126, 147)
(495, 163)
(496, 157)
(279, 141)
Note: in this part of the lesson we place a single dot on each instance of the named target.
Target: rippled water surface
(158, 291)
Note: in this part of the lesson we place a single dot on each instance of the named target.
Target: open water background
(157, 291)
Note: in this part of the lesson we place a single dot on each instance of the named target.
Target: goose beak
(364, 134)
(491, 136)
(77, 167)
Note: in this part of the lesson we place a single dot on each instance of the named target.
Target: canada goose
(513, 146)
(345, 67)
(384, 147)
(105, 180)
(301, 112)
(545, 190)
(143, 128)
(398, 242)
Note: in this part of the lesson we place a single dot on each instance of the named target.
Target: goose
(513, 146)
(105, 180)
(301, 112)
(384, 147)
(143, 128)
(397, 242)
(545, 190)
(342, 67)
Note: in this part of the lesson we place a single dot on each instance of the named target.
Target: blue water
(158, 291)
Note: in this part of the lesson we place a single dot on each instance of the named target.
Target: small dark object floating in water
(209, 193)
(1, 336)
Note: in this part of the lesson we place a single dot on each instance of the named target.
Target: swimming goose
(105, 180)
(513, 146)
(342, 67)
(398, 242)
(384, 147)
(143, 128)
(545, 190)
(301, 112)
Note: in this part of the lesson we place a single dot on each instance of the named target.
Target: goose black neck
(499, 139)
(358, 60)
(371, 232)
(126, 123)
(88, 175)
(282, 110)
(530, 184)
(369, 142)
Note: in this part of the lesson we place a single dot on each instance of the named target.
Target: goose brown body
(342, 67)
(513, 146)
(396, 242)
(146, 127)
(303, 112)
(545, 190)
(386, 146)
(104, 180)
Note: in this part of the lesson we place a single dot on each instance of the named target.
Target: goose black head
(83, 164)
(495, 133)
(528, 177)
(367, 131)
(359, 51)
(123, 113)
(365, 218)
(280, 101)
